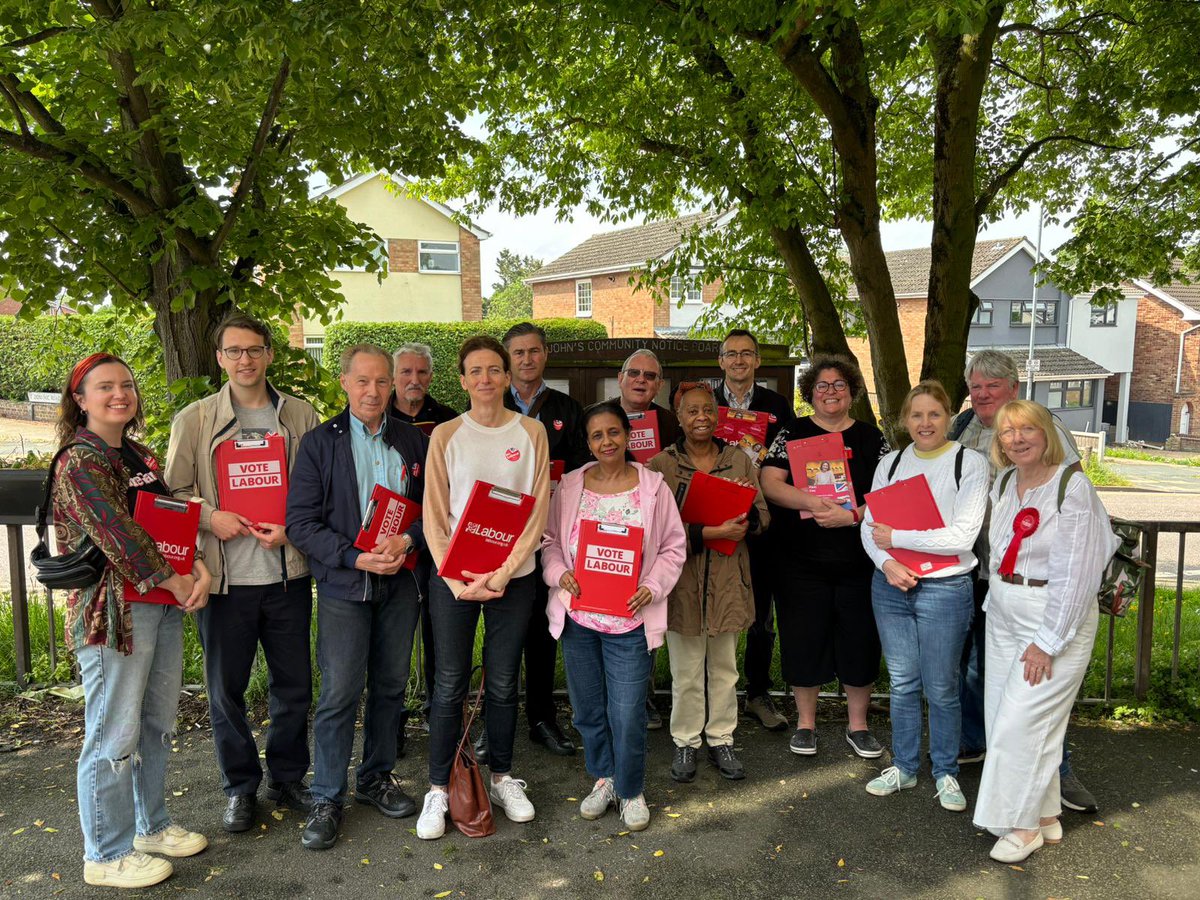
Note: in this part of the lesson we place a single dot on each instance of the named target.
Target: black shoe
(653, 717)
(804, 742)
(550, 736)
(481, 748)
(239, 813)
(683, 764)
(726, 761)
(292, 794)
(321, 829)
(385, 795)
(864, 743)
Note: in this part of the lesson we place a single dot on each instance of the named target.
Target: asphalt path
(796, 827)
(1163, 507)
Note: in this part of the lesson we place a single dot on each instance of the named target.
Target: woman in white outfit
(1051, 540)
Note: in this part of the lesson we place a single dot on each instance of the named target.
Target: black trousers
(427, 660)
(231, 626)
(541, 653)
(760, 639)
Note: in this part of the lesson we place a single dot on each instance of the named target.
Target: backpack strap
(961, 421)
(958, 463)
(1063, 481)
(1004, 480)
(895, 465)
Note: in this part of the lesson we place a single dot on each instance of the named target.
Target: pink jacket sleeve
(554, 551)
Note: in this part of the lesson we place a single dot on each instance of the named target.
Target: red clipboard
(252, 478)
(908, 505)
(743, 428)
(174, 526)
(486, 531)
(608, 565)
(557, 467)
(821, 466)
(645, 438)
(388, 514)
(712, 501)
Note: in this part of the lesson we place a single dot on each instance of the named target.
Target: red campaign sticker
(771, 417)
(558, 423)
(416, 470)
(512, 454)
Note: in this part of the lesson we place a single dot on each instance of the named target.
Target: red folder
(174, 525)
(645, 439)
(388, 514)
(485, 534)
(608, 565)
(557, 467)
(252, 478)
(744, 428)
(713, 501)
(821, 466)
(908, 505)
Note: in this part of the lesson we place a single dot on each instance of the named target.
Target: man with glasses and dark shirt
(262, 593)
(739, 361)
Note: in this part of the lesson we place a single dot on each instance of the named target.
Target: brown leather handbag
(470, 805)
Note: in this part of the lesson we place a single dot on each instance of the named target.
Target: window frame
(1016, 315)
(1108, 316)
(990, 308)
(382, 253)
(314, 346)
(691, 294)
(423, 248)
(1084, 387)
(580, 312)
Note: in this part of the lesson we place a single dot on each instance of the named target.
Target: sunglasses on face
(642, 373)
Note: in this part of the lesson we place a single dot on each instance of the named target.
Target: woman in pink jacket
(607, 656)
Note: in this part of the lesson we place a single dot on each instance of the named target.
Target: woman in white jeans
(1051, 540)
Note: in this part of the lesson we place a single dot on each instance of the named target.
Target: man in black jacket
(562, 418)
(739, 361)
(367, 602)
(639, 380)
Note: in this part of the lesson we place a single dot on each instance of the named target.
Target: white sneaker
(596, 803)
(431, 824)
(134, 870)
(635, 813)
(509, 795)
(173, 840)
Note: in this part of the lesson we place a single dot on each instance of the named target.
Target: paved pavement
(796, 827)
(1160, 477)
(19, 436)
(1168, 507)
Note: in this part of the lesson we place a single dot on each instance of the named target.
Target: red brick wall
(1156, 356)
(912, 329)
(296, 331)
(470, 279)
(402, 255)
(623, 310)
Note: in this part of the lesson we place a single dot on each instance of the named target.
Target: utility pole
(1030, 362)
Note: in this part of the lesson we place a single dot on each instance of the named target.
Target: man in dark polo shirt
(739, 360)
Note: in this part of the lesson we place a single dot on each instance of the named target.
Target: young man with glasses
(739, 360)
(261, 591)
(993, 380)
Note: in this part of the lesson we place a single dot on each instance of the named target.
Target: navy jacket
(562, 417)
(764, 400)
(323, 514)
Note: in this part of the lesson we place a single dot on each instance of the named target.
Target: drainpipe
(1179, 364)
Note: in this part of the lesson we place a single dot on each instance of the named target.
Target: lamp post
(1029, 362)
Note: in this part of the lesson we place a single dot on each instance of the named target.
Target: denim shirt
(375, 462)
(521, 404)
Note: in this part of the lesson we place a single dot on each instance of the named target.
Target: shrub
(444, 338)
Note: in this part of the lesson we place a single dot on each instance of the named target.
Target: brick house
(1166, 370)
(1069, 383)
(596, 280)
(433, 267)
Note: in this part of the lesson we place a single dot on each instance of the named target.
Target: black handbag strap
(41, 515)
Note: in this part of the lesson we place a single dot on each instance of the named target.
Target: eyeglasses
(235, 353)
(732, 355)
(642, 373)
(1008, 435)
(824, 387)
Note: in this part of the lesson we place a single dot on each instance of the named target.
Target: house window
(1047, 313)
(380, 253)
(314, 346)
(583, 298)
(983, 315)
(692, 294)
(1104, 315)
(1070, 394)
(437, 257)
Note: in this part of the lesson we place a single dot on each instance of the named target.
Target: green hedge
(444, 338)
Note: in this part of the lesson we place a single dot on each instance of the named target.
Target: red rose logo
(416, 470)
(512, 454)
(558, 423)
(771, 417)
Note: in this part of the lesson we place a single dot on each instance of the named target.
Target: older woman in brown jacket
(712, 601)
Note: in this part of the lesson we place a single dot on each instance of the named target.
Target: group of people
(822, 567)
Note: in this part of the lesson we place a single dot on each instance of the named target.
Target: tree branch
(36, 38)
(97, 260)
(256, 151)
(32, 105)
(18, 114)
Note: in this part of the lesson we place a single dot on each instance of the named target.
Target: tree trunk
(186, 334)
(961, 63)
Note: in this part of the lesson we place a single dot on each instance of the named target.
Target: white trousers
(1025, 724)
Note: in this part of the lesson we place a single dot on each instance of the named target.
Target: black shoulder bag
(78, 569)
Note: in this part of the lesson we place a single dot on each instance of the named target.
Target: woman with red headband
(130, 654)
(1050, 540)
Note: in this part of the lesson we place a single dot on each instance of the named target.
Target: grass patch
(1144, 456)
(1102, 476)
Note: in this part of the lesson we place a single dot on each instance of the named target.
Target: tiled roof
(1056, 362)
(910, 268)
(626, 248)
(1187, 294)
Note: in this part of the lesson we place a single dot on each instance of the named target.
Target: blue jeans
(922, 633)
(129, 715)
(606, 678)
(362, 644)
(505, 621)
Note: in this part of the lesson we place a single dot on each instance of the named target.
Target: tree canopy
(511, 297)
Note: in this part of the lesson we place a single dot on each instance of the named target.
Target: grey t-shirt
(977, 437)
(246, 562)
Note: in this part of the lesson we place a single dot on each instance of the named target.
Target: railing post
(1145, 632)
(20, 603)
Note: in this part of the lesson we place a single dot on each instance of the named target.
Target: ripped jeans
(130, 706)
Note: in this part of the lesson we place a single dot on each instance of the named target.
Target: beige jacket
(195, 433)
